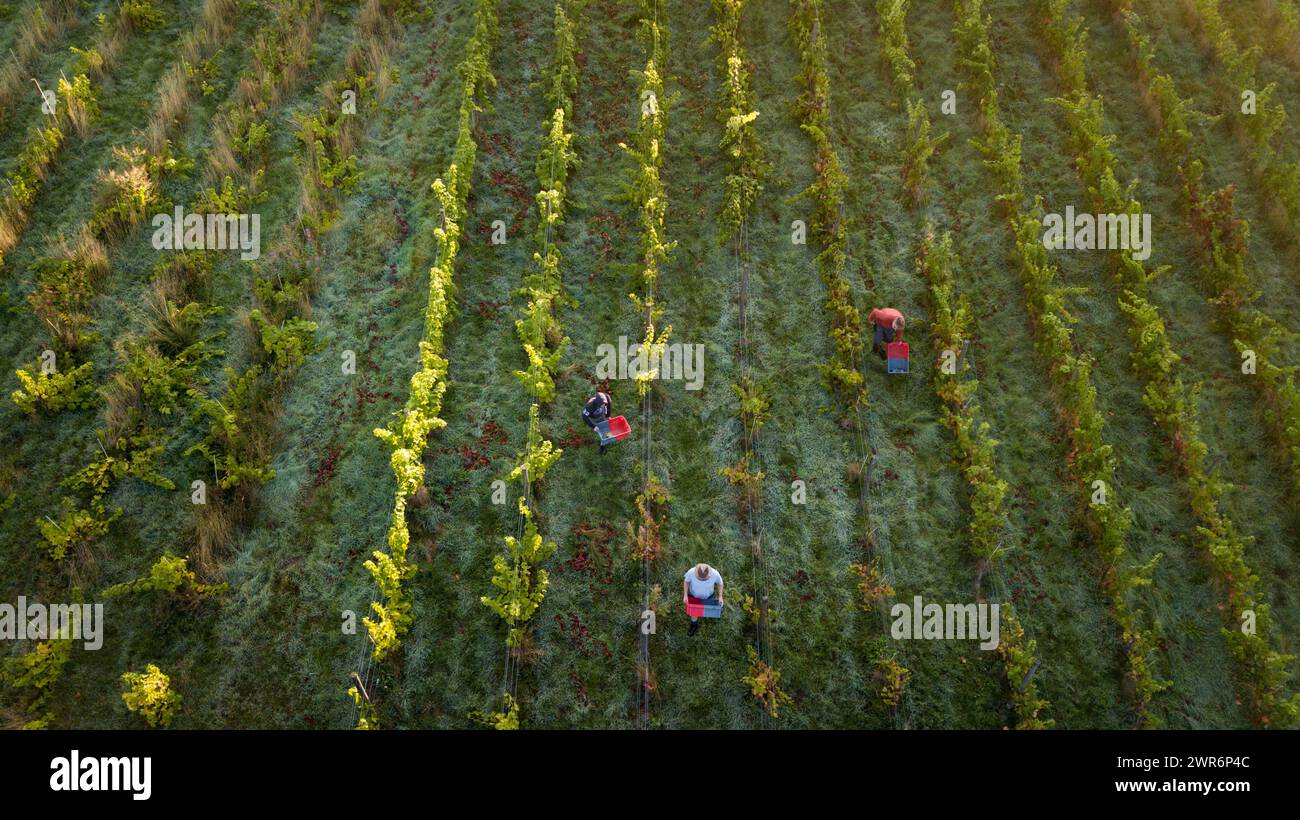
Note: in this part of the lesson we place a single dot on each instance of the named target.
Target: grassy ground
(271, 651)
(1234, 422)
(1185, 600)
(26, 110)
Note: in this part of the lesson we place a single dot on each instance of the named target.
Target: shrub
(142, 15)
(150, 694)
(921, 146)
(39, 670)
(1018, 655)
(505, 720)
(754, 403)
(164, 381)
(893, 35)
(29, 172)
(248, 133)
(893, 678)
(77, 528)
(55, 392)
(139, 454)
(644, 538)
(175, 326)
(407, 436)
(169, 575)
(233, 444)
(79, 103)
(64, 291)
(764, 684)
(288, 343)
(325, 137)
(367, 715)
(126, 194)
(519, 576)
(872, 588)
(538, 455)
(827, 194)
(740, 141)
(90, 61)
(232, 198)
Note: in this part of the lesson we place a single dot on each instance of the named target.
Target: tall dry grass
(371, 54)
(176, 86)
(11, 226)
(84, 249)
(171, 110)
(49, 19)
(217, 17)
(223, 160)
(123, 407)
(80, 111)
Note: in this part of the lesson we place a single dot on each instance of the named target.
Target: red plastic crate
(701, 608)
(615, 429)
(899, 356)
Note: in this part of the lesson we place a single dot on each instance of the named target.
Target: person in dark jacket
(597, 410)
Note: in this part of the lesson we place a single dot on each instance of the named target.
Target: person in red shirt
(889, 325)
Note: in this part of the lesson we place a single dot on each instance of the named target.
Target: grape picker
(703, 583)
(889, 324)
(597, 410)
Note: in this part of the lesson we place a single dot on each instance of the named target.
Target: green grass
(271, 652)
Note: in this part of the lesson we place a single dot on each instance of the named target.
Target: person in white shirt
(701, 581)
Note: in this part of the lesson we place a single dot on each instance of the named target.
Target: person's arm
(685, 590)
(721, 587)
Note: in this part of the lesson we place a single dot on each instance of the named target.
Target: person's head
(702, 571)
(900, 323)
